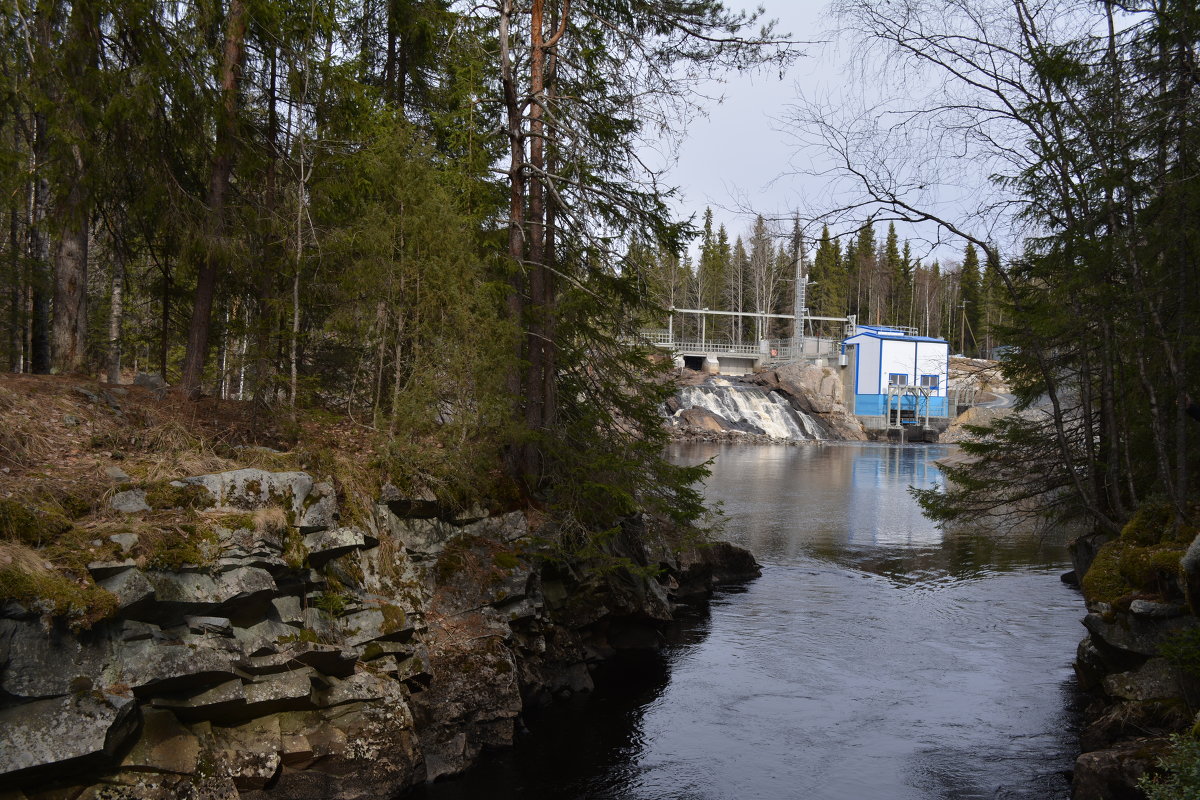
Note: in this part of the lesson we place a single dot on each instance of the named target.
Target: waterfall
(751, 410)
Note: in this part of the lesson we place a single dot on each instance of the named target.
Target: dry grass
(270, 520)
(61, 437)
(23, 558)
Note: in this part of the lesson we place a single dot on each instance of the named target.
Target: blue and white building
(879, 357)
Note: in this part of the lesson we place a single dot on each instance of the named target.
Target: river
(877, 658)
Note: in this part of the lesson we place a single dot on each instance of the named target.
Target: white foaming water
(751, 409)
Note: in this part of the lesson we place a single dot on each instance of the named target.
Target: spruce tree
(970, 302)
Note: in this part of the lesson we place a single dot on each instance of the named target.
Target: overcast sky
(734, 159)
(739, 160)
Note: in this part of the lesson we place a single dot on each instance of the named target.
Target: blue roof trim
(897, 337)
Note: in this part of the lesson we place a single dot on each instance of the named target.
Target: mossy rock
(294, 551)
(166, 495)
(1148, 524)
(81, 606)
(1122, 568)
(1152, 569)
(31, 525)
(183, 545)
(1157, 523)
(236, 522)
(394, 618)
(506, 560)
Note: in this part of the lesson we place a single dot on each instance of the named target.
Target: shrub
(1181, 772)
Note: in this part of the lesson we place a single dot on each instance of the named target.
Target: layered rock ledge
(289, 653)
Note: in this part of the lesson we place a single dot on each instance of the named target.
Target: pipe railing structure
(797, 347)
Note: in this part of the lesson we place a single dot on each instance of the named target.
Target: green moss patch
(30, 524)
(294, 551)
(25, 578)
(179, 546)
(1122, 568)
(163, 495)
(1157, 523)
(235, 522)
(393, 618)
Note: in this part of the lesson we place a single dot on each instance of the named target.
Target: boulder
(1133, 718)
(324, 546)
(131, 501)
(250, 489)
(64, 736)
(1148, 608)
(324, 658)
(287, 610)
(134, 593)
(285, 691)
(250, 752)
(153, 668)
(114, 473)
(126, 541)
(243, 593)
(40, 663)
(1114, 773)
(225, 701)
(106, 569)
(818, 390)
(1136, 634)
(1156, 679)
(422, 538)
(320, 509)
(263, 638)
(371, 624)
(221, 626)
(704, 419)
(163, 746)
(250, 548)
(362, 687)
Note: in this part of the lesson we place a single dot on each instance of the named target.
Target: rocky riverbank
(250, 633)
(1139, 665)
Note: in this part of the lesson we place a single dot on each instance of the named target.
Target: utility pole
(799, 295)
(962, 327)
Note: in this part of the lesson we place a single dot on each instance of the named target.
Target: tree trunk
(39, 251)
(516, 455)
(116, 308)
(165, 320)
(70, 285)
(16, 350)
(218, 188)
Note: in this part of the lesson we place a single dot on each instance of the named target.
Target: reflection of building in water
(879, 507)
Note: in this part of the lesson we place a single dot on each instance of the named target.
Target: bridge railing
(771, 350)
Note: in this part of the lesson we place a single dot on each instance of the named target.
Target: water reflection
(878, 657)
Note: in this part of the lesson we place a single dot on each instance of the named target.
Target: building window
(897, 379)
(929, 382)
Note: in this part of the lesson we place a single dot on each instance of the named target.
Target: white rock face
(250, 489)
(750, 409)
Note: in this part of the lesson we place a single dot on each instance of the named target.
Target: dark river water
(877, 658)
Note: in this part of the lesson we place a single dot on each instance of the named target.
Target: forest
(437, 218)
(878, 285)
(417, 213)
(1077, 119)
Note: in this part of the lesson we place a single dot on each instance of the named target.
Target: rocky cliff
(273, 647)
